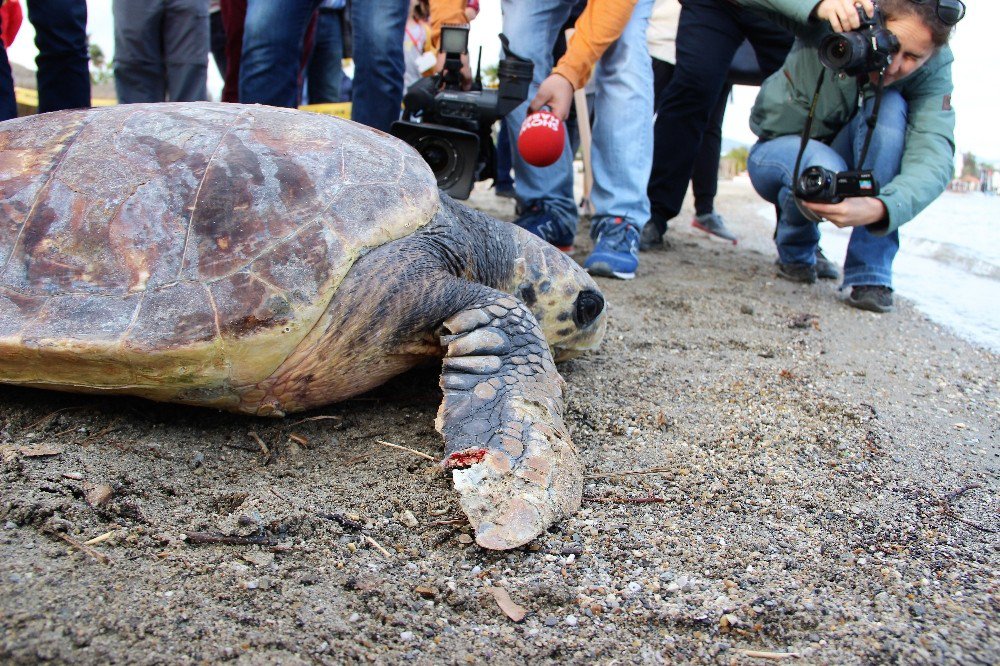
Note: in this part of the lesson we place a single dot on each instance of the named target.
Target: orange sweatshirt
(600, 24)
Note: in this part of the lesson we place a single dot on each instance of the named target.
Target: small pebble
(406, 636)
(408, 519)
(551, 621)
(571, 620)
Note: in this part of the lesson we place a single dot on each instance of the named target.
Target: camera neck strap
(871, 121)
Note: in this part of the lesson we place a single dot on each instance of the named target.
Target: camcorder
(868, 48)
(452, 128)
(822, 185)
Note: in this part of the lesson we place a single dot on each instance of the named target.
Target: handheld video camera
(451, 128)
(869, 48)
(822, 185)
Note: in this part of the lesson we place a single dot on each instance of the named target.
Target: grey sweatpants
(161, 50)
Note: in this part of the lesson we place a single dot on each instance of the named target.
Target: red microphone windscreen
(541, 139)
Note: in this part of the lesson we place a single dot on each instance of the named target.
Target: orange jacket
(600, 24)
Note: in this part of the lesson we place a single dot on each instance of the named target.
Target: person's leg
(186, 41)
(61, 38)
(8, 102)
(217, 41)
(503, 184)
(324, 71)
(770, 165)
(272, 51)
(869, 257)
(532, 28)
(622, 144)
(705, 176)
(138, 61)
(378, 27)
(707, 37)
(234, 14)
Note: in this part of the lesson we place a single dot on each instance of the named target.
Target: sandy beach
(772, 476)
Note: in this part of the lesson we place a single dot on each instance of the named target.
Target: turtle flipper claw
(511, 457)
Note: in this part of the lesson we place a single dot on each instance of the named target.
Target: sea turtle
(265, 261)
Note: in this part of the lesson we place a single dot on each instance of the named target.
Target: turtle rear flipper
(511, 457)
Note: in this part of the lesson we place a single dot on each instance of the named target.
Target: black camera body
(452, 128)
(821, 185)
(868, 48)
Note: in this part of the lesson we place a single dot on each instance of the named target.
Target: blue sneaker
(616, 252)
(541, 222)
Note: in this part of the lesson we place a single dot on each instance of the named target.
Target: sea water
(948, 263)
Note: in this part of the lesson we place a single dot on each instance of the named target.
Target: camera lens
(814, 183)
(442, 157)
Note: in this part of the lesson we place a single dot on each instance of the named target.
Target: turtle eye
(589, 305)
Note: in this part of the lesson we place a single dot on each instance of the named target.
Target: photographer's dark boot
(871, 297)
(804, 273)
(825, 269)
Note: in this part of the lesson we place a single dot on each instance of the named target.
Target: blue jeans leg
(532, 28)
(273, 33)
(770, 165)
(61, 38)
(324, 72)
(869, 257)
(378, 27)
(622, 149)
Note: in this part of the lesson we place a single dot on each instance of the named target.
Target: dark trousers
(324, 71)
(705, 175)
(708, 35)
(217, 41)
(61, 39)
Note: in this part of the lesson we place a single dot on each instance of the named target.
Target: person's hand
(843, 14)
(851, 212)
(556, 92)
(465, 73)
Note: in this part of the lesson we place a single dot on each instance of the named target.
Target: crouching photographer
(856, 129)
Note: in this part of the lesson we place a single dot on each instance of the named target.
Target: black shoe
(805, 273)
(872, 297)
(825, 269)
(652, 234)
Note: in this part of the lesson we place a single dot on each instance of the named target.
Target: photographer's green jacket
(783, 105)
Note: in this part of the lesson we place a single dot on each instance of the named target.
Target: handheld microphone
(541, 139)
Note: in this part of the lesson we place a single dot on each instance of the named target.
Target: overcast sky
(976, 71)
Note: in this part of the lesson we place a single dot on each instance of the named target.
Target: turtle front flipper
(511, 457)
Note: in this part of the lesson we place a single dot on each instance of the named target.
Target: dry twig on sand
(404, 448)
(651, 499)
(773, 656)
(83, 548)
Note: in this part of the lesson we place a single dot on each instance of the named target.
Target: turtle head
(565, 300)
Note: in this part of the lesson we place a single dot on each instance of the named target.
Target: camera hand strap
(872, 120)
(807, 129)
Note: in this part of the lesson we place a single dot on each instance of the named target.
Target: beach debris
(99, 539)
(512, 610)
(773, 656)
(405, 448)
(408, 519)
(39, 451)
(426, 591)
(97, 494)
(83, 548)
(804, 320)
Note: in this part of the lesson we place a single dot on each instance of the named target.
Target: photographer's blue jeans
(378, 27)
(869, 257)
(622, 146)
